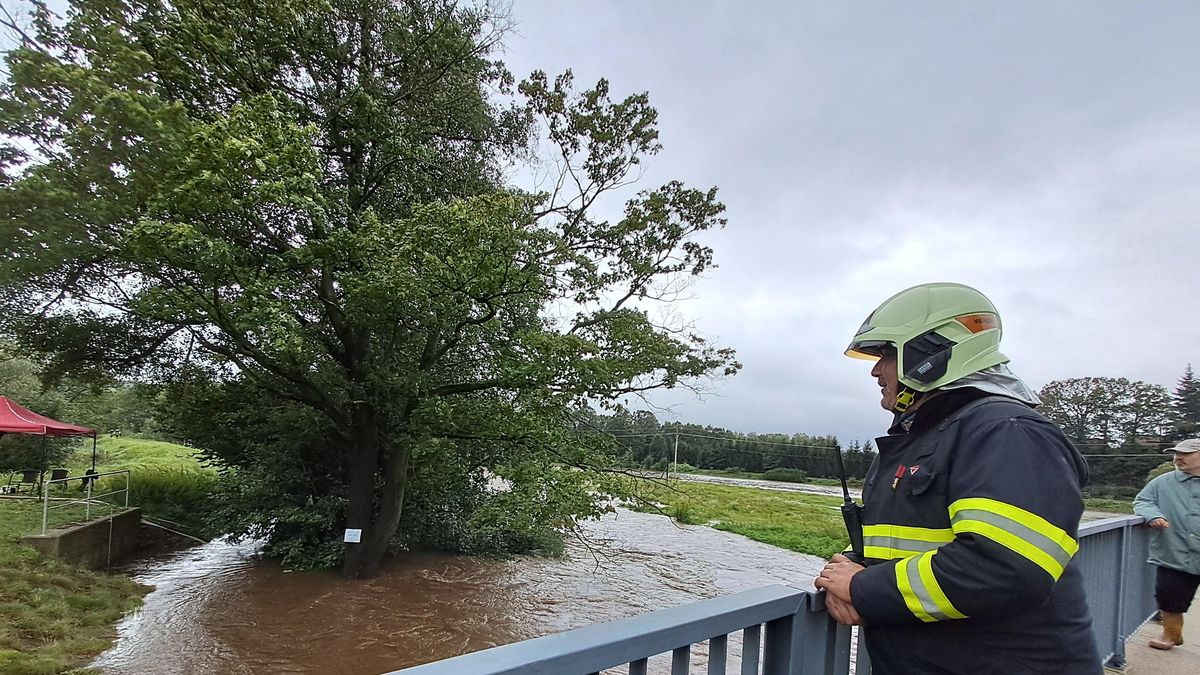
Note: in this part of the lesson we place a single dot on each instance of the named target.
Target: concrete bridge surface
(1184, 660)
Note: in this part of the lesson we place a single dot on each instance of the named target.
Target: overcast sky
(1047, 153)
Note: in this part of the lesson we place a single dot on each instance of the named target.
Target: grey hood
(997, 380)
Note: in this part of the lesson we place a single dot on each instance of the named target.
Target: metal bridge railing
(89, 480)
(1118, 581)
(785, 630)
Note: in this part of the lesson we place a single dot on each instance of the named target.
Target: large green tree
(310, 199)
(1107, 412)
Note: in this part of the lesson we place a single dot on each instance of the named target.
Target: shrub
(786, 475)
(683, 467)
(181, 495)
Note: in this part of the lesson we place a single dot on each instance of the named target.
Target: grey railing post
(824, 645)
(1117, 660)
(777, 646)
(45, 505)
(782, 644)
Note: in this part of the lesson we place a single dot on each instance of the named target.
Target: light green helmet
(941, 333)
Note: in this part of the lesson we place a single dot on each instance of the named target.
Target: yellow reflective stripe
(887, 553)
(906, 592)
(925, 567)
(1016, 544)
(1026, 534)
(942, 535)
(1027, 518)
(921, 592)
(888, 542)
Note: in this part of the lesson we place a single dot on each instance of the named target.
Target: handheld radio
(851, 512)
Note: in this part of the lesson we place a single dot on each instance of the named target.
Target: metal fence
(88, 499)
(1118, 581)
(784, 630)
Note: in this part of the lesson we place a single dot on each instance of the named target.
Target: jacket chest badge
(901, 470)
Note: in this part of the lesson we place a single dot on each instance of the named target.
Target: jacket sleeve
(1013, 501)
(1145, 504)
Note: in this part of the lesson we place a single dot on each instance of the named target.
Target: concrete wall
(89, 544)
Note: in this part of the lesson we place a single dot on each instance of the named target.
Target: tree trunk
(364, 456)
(391, 506)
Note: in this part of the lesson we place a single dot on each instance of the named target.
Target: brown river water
(218, 609)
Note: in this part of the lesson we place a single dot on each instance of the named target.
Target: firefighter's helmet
(941, 332)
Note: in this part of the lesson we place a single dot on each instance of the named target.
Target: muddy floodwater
(219, 610)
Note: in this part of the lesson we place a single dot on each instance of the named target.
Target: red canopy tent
(17, 419)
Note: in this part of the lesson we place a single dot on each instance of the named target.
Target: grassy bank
(801, 522)
(166, 480)
(54, 617)
(796, 521)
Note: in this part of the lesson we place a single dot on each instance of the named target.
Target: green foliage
(1165, 467)
(683, 467)
(307, 202)
(1103, 411)
(1186, 406)
(684, 513)
(647, 443)
(787, 475)
(181, 495)
(1123, 505)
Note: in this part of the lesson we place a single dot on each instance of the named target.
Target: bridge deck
(1185, 660)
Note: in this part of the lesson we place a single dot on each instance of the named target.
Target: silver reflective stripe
(1023, 532)
(916, 585)
(911, 546)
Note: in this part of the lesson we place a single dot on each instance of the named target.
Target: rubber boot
(1172, 634)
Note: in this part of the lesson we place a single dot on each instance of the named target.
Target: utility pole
(676, 464)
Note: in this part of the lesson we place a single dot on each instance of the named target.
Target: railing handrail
(596, 647)
(89, 480)
(1104, 525)
(87, 476)
(811, 635)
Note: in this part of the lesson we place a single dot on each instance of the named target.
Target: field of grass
(796, 521)
(119, 452)
(1109, 505)
(54, 617)
(801, 522)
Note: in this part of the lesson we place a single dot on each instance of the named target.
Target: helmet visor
(870, 350)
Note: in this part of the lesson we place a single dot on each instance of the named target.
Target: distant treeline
(647, 443)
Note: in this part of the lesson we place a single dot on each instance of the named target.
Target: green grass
(166, 480)
(796, 521)
(54, 617)
(120, 452)
(1109, 505)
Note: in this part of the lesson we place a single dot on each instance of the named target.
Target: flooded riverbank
(219, 610)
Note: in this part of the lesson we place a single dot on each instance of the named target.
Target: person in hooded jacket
(970, 510)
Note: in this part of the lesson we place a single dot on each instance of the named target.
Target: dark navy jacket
(970, 524)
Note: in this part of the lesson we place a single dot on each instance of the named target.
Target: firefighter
(970, 509)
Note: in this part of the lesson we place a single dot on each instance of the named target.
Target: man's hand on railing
(835, 581)
(1159, 523)
(841, 611)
